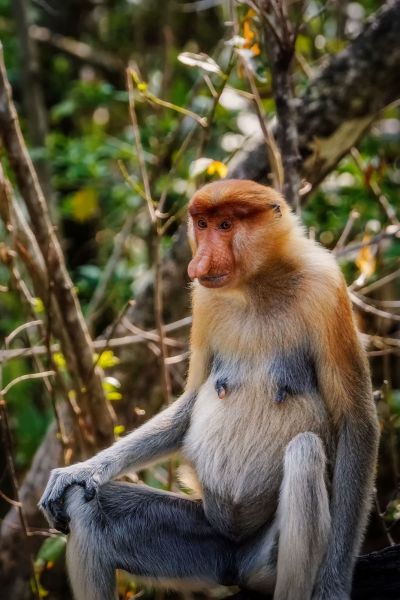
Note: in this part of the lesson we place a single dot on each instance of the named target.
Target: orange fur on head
(234, 227)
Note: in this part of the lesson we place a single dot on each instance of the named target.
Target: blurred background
(126, 107)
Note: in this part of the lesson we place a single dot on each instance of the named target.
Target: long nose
(200, 263)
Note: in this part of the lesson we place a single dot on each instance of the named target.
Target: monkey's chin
(215, 281)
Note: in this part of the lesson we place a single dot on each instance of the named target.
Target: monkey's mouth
(214, 281)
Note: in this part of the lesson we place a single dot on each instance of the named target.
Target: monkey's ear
(277, 209)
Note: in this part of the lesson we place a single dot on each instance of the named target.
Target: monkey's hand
(52, 503)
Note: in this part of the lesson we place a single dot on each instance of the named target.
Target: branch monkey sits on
(277, 423)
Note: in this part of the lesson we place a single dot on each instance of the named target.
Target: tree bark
(34, 103)
(96, 410)
(341, 102)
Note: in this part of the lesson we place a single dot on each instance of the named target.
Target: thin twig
(380, 282)
(119, 342)
(148, 335)
(390, 231)
(144, 91)
(353, 216)
(273, 152)
(216, 98)
(139, 147)
(158, 299)
(368, 308)
(20, 329)
(26, 377)
(76, 48)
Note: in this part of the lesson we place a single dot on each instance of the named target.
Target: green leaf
(51, 550)
(118, 429)
(111, 384)
(113, 396)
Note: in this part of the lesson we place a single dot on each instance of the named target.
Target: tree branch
(281, 49)
(89, 389)
(341, 102)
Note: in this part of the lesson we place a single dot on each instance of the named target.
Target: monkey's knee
(91, 562)
(304, 517)
(305, 452)
(304, 495)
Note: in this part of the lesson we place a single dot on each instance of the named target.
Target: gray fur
(227, 373)
(294, 373)
(160, 436)
(166, 537)
(303, 516)
(264, 521)
(352, 487)
(150, 533)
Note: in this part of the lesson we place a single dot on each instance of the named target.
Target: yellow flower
(38, 305)
(107, 359)
(59, 360)
(84, 204)
(217, 167)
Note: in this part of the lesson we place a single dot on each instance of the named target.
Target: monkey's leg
(303, 518)
(288, 554)
(147, 532)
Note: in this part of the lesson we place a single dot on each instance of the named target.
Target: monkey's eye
(202, 224)
(225, 225)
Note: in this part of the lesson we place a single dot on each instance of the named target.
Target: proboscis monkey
(277, 423)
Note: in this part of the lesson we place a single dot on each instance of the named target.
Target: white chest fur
(232, 443)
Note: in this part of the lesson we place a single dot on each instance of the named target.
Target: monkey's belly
(236, 447)
(239, 520)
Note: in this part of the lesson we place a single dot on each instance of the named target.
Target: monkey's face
(213, 263)
(232, 226)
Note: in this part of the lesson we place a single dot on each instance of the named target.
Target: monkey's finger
(90, 490)
(55, 512)
(62, 526)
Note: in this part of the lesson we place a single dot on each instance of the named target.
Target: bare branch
(90, 391)
(26, 377)
(281, 49)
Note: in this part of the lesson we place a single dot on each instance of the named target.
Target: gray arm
(160, 436)
(344, 380)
